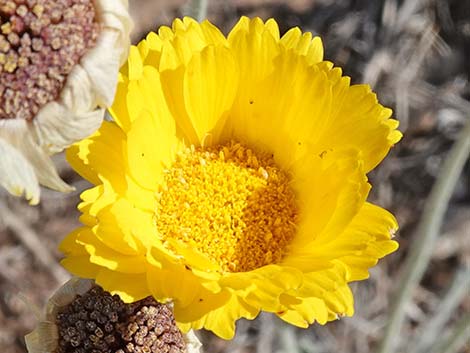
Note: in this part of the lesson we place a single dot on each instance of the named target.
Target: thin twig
(457, 338)
(426, 236)
(196, 9)
(430, 332)
(30, 239)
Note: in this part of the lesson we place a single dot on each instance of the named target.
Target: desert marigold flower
(58, 69)
(233, 179)
(82, 318)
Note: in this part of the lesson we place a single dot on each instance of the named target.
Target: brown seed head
(37, 38)
(100, 323)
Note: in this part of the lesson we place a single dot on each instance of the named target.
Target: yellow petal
(129, 287)
(303, 44)
(332, 188)
(255, 49)
(100, 156)
(302, 315)
(360, 122)
(119, 110)
(103, 256)
(210, 84)
(380, 226)
(124, 228)
(222, 311)
(150, 149)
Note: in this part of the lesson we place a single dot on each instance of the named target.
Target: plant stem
(435, 324)
(196, 9)
(457, 338)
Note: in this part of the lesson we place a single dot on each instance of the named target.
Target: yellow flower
(59, 62)
(233, 179)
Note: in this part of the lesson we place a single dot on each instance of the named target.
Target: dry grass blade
(430, 331)
(426, 236)
(457, 338)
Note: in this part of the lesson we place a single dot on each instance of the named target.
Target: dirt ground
(416, 55)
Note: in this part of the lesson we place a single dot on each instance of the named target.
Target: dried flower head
(82, 318)
(58, 70)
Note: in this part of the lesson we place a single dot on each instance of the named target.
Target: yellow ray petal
(119, 110)
(129, 287)
(304, 45)
(380, 226)
(100, 156)
(81, 266)
(125, 229)
(103, 256)
(210, 84)
(295, 124)
(222, 311)
(332, 188)
(359, 121)
(308, 311)
(150, 149)
(255, 49)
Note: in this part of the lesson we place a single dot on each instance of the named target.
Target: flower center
(230, 203)
(40, 43)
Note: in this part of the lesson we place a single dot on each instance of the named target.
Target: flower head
(82, 318)
(233, 179)
(58, 69)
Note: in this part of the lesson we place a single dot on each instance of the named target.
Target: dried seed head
(98, 322)
(59, 64)
(41, 41)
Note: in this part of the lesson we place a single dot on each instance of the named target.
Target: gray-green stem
(456, 339)
(197, 9)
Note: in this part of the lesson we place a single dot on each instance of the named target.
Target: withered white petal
(193, 344)
(56, 126)
(54, 137)
(44, 339)
(16, 174)
(102, 64)
(19, 134)
(66, 294)
(115, 15)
